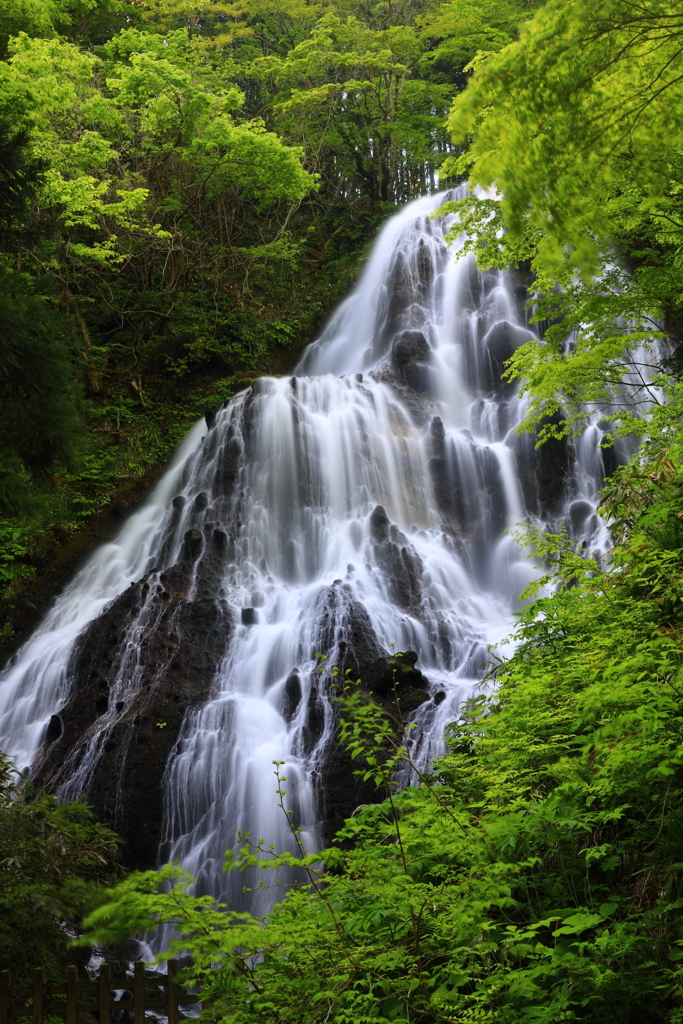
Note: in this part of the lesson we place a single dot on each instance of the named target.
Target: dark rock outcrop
(399, 561)
(170, 647)
(193, 543)
(396, 676)
(543, 472)
(409, 347)
(501, 342)
(55, 729)
(468, 486)
(522, 279)
(347, 636)
(293, 694)
(409, 357)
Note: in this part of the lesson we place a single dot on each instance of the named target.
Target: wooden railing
(77, 996)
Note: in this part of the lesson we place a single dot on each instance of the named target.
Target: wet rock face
(396, 676)
(393, 681)
(193, 543)
(400, 563)
(501, 343)
(346, 634)
(410, 360)
(614, 453)
(544, 473)
(522, 280)
(293, 695)
(172, 662)
(467, 485)
(409, 347)
(399, 688)
(408, 287)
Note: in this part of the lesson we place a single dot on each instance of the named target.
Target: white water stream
(399, 405)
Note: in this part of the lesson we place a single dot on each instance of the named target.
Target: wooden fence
(70, 1000)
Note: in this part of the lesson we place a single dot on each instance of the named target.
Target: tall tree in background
(38, 418)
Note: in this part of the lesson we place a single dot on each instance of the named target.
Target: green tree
(54, 860)
(347, 95)
(38, 417)
(454, 32)
(576, 126)
(74, 18)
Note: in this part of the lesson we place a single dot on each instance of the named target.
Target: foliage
(38, 420)
(47, 18)
(54, 859)
(37, 402)
(535, 875)
(574, 125)
(348, 93)
(586, 96)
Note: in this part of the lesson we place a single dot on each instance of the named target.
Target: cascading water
(359, 507)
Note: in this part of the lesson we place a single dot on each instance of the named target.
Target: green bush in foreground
(536, 875)
(54, 859)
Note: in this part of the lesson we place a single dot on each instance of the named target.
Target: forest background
(535, 874)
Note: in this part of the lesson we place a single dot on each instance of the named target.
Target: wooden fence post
(92, 997)
(105, 994)
(71, 995)
(139, 992)
(172, 992)
(5, 982)
(38, 995)
(206, 1004)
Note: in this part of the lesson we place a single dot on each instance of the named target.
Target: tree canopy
(577, 126)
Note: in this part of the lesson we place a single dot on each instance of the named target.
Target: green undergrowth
(536, 874)
(125, 444)
(54, 860)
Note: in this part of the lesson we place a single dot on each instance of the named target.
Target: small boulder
(410, 700)
(54, 729)
(409, 347)
(579, 512)
(292, 697)
(379, 523)
(220, 539)
(194, 541)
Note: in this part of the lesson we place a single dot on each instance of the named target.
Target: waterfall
(358, 508)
